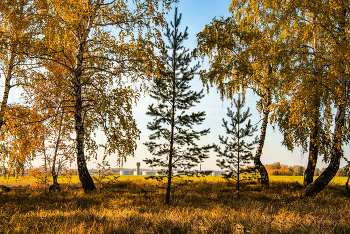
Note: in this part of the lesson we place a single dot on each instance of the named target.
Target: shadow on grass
(196, 207)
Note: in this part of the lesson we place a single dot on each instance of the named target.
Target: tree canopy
(103, 47)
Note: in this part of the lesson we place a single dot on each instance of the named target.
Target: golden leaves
(271, 44)
(105, 46)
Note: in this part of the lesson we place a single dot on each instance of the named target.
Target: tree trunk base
(323, 180)
(264, 176)
(88, 184)
(308, 178)
(55, 187)
(4, 189)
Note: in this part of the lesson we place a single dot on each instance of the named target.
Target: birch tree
(304, 114)
(103, 45)
(298, 21)
(16, 31)
(333, 18)
(46, 95)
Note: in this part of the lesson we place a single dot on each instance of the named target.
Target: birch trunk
(45, 164)
(84, 176)
(320, 183)
(314, 142)
(238, 161)
(257, 162)
(54, 173)
(336, 152)
(7, 87)
(8, 77)
(313, 155)
(313, 145)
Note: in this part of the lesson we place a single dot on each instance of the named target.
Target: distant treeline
(280, 169)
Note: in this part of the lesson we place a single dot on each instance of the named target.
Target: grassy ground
(16, 181)
(299, 179)
(198, 206)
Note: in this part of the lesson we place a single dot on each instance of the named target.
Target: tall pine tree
(237, 152)
(178, 149)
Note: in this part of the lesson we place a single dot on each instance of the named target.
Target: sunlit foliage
(104, 47)
(17, 30)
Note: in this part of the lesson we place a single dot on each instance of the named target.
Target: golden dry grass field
(132, 204)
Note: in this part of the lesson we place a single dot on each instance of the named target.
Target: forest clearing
(76, 70)
(131, 204)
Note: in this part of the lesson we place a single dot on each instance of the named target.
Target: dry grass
(200, 206)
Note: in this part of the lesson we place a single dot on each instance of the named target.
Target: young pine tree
(178, 149)
(237, 152)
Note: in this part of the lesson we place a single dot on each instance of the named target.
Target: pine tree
(171, 123)
(237, 152)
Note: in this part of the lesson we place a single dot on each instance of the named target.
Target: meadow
(132, 204)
